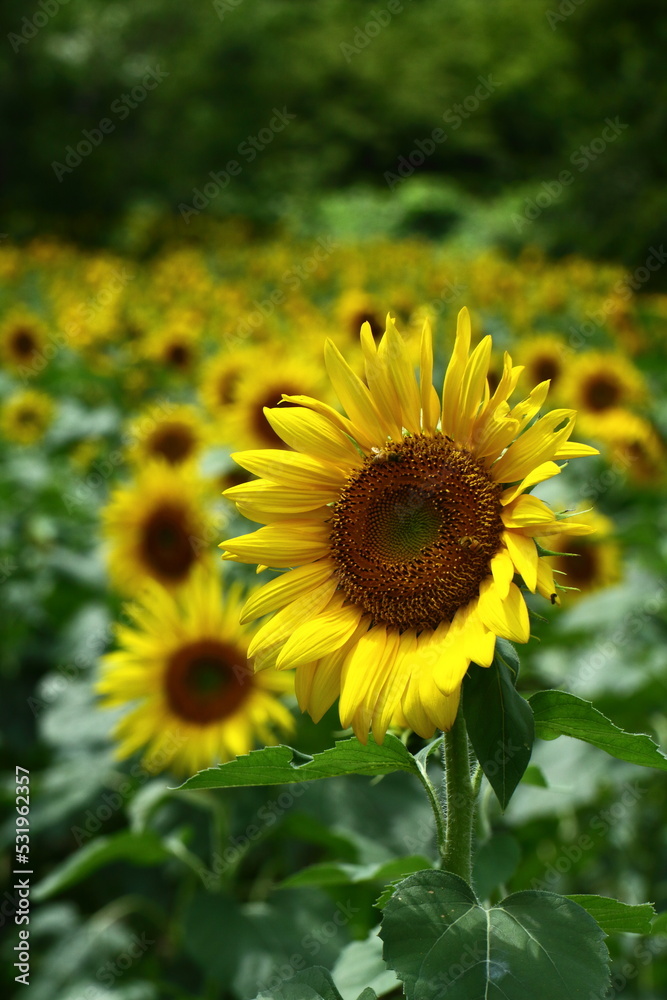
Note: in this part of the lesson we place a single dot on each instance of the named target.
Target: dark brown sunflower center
(365, 316)
(545, 368)
(207, 681)
(24, 344)
(27, 418)
(582, 571)
(602, 392)
(166, 545)
(173, 442)
(414, 530)
(179, 355)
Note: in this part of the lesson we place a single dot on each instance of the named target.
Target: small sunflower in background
(23, 338)
(217, 389)
(262, 385)
(544, 358)
(632, 444)
(593, 562)
(156, 528)
(599, 381)
(26, 416)
(181, 670)
(174, 345)
(166, 432)
(356, 307)
(402, 525)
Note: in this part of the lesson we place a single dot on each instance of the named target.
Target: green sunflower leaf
(439, 940)
(500, 726)
(145, 848)
(343, 873)
(312, 984)
(559, 713)
(282, 765)
(615, 917)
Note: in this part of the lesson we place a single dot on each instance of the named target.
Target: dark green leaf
(144, 848)
(613, 916)
(559, 713)
(439, 940)
(500, 726)
(311, 984)
(281, 765)
(341, 873)
(495, 862)
(508, 655)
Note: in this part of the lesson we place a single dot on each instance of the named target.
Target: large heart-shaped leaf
(441, 942)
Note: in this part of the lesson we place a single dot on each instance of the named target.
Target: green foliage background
(560, 69)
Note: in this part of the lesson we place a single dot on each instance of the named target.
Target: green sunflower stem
(460, 798)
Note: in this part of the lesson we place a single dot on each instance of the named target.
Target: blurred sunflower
(22, 339)
(631, 441)
(599, 381)
(591, 563)
(174, 345)
(356, 307)
(218, 385)
(262, 385)
(26, 416)
(172, 433)
(405, 522)
(544, 358)
(182, 663)
(156, 528)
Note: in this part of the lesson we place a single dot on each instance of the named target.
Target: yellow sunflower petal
(313, 434)
(536, 445)
(394, 353)
(281, 545)
(285, 589)
(354, 395)
(524, 556)
(451, 393)
(288, 468)
(269, 639)
(319, 636)
(507, 617)
(381, 385)
(502, 570)
(430, 403)
(538, 475)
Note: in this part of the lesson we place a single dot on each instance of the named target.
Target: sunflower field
(333, 462)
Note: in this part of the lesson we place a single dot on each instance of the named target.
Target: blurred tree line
(368, 85)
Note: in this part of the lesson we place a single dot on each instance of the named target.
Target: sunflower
(599, 381)
(217, 389)
(591, 563)
(25, 416)
(174, 345)
(182, 663)
(22, 340)
(544, 358)
(402, 525)
(170, 433)
(156, 528)
(631, 441)
(260, 386)
(356, 307)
